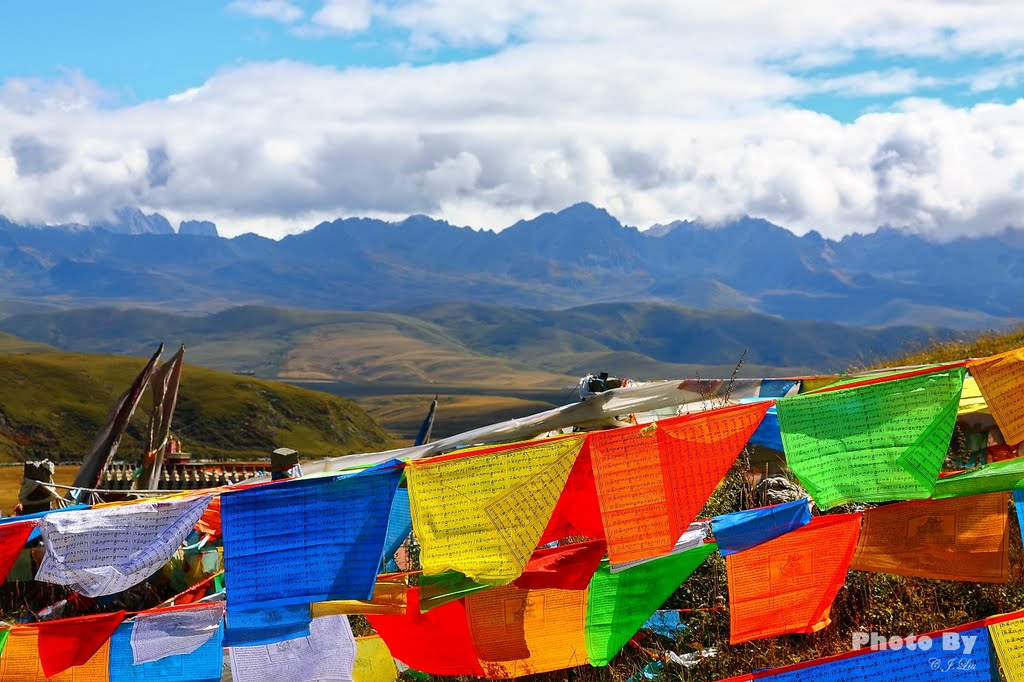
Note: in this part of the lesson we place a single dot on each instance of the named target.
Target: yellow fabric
(388, 598)
(1008, 640)
(1001, 378)
(971, 400)
(482, 514)
(20, 661)
(373, 661)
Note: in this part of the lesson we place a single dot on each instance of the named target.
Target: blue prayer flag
(665, 623)
(742, 530)
(266, 625)
(202, 665)
(947, 659)
(1018, 503)
(307, 540)
(399, 522)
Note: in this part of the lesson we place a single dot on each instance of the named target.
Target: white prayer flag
(108, 549)
(174, 632)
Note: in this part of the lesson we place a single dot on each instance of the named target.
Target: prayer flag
(521, 632)
(327, 653)
(174, 631)
(1001, 379)
(13, 537)
(787, 585)
(653, 480)
(873, 440)
(22, 661)
(304, 540)
(482, 514)
(569, 567)
(442, 588)
(1008, 642)
(990, 478)
(72, 641)
(966, 660)
(200, 664)
(436, 642)
(577, 513)
(256, 625)
(961, 538)
(388, 597)
(618, 604)
(373, 661)
(745, 529)
(106, 550)
(399, 523)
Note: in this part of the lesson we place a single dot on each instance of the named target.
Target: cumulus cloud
(657, 111)
(279, 10)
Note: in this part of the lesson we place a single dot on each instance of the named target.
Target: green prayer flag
(991, 478)
(442, 588)
(618, 604)
(3, 638)
(871, 443)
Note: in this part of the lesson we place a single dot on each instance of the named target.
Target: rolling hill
(489, 363)
(53, 404)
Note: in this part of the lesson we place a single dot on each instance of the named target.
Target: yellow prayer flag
(1001, 378)
(1008, 640)
(20, 661)
(482, 514)
(971, 400)
(373, 661)
(388, 598)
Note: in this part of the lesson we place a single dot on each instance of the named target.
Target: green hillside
(53, 404)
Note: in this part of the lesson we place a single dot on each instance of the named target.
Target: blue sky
(269, 115)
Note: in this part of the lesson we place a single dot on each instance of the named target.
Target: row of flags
(547, 554)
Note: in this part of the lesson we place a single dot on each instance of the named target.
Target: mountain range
(581, 255)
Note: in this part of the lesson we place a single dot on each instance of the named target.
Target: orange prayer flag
(1001, 379)
(653, 480)
(435, 642)
(521, 632)
(958, 538)
(787, 585)
(21, 660)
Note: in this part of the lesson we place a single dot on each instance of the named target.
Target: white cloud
(658, 112)
(278, 10)
(340, 17)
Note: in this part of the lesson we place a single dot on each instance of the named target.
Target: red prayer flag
(73, 641)
(12, 540)
(436, 642)
(564, 568)
(577, 512)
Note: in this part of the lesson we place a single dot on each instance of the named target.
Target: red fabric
(209, 522)
(565, 568)
(577, 511)
(73, 641)
(12, 540)
(436, 642)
